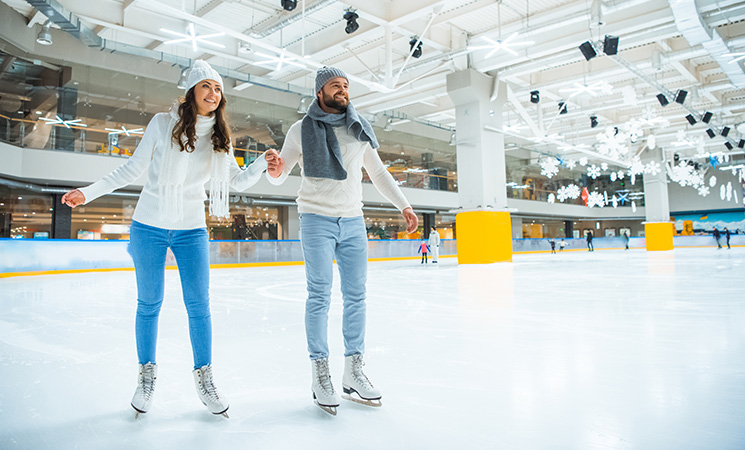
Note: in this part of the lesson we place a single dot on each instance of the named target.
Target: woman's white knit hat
(326, 73)
(201, 70)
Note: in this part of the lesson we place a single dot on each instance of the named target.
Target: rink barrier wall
(54, 256)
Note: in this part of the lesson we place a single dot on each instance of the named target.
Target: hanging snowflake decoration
(703, 191)
(549, 166)
(604, 166)
(713, 181)
(595, 199)
(593, 171)
(729, 191)
(633, 206)
(722, 192)
(570, 164)
(620, 174)
(571, 191)
(633, 179)
(613, 176)
(652, 168)
(686, 175)
(614, 201)
(637, 167)
(583, 161)
(551, 198)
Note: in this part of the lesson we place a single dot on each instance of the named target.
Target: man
(590, 247)
(434, 244)
(727, 237)
(716, 236)
(331, 144)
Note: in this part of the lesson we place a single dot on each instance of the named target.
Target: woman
(181, 150)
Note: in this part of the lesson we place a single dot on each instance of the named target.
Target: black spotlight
(593, 121)
(352, 24)
(711, 133)
(680, 97)
(676, 157)
(728, 145)
(418, 52)
(535, 96)
(725, 131)
(741, 144)
(662, 99)
(691, 119)
(289, 5)
(562, 108)
(588, 50)
(610, 45)
(707, 117)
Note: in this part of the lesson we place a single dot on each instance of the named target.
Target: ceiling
(664, 46)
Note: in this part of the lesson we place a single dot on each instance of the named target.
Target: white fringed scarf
(175, 168)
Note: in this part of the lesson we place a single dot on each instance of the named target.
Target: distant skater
(562, 244)
(590, 247)
(717, 235)
(180, 152)
(626, 240)
(423, 249)
(434, 244)
(727, 236)
(553, 245)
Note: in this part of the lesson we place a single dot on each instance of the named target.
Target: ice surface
(602, 350)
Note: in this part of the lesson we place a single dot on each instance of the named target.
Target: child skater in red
(423, 249)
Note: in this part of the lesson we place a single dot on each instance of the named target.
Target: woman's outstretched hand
(73, 198)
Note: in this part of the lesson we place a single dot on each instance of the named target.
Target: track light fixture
(663, 100)
(691, 119)
(706, 117)
(562, 107)
(725, 131)
(610, 45)
(588, 50)
(593, 121)
(680, 96)
(44, 37)
(741, 144)
(711, 133)
(183, 78)
(289, 5)
(728, 145)
(535, 96)
(418, 51)
(351, 18)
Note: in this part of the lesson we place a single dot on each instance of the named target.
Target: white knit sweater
(149, 156)
(338, 198)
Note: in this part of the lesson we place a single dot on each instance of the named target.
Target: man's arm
(384, 183)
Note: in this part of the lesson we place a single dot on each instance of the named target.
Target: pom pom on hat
(325, 73)
(201, 70)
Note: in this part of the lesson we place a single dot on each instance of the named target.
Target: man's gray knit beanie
(325, 73)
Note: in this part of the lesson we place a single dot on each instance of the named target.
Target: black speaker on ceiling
(593, 121)
(535, 96)
(691, 119)
(725, 131)
(707, 117)
(680, 97)
(588, 50)
(741, 144)
(610, 45)
(728, 145)
(662, 99)
(711, 133)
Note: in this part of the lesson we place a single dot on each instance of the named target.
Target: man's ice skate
(356, 385)
(143, 398)
(324, 394)
(207, 391)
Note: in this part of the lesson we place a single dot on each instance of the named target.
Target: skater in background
(727, 236)
(423, 249)
(562, 244)
(717, 235)
(590, 247)
(552, 243)
(434, 244)
(626, 240)
(332, 144)
(181, 150)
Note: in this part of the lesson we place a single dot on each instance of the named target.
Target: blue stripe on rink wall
(28, 255)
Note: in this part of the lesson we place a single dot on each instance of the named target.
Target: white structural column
(658, 229)
(483, 229)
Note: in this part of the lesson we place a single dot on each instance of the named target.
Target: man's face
(335, 94)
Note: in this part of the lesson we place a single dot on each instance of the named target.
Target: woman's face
(207, 94)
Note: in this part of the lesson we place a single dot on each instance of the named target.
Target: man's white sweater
(149, 156)
(338, 198)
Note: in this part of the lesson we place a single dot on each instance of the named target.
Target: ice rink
(578, 350)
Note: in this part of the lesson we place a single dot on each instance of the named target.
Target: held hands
(412, 221)
(73, 198)
(275, 164)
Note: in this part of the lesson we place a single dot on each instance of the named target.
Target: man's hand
(412, 221)
(275, 164)
(73, 198)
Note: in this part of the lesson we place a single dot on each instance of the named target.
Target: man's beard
(332, 103)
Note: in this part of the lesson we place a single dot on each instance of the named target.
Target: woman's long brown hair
(184, 132)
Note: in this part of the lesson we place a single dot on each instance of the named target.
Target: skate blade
(137, 411)
(374, 402)
(225, 414)
(329, 409)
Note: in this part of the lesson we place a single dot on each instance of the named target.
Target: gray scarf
(321, 152)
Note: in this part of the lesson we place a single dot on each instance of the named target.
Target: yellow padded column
(483, 237)
(659, 235)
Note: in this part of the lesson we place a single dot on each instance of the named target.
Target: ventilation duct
(66, 20)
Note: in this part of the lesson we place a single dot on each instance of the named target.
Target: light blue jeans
(148, 247)
(324, 239)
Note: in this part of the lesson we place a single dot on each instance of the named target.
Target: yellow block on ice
(659, 235)
(483, 237)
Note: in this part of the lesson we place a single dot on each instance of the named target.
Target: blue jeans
(148, 247)
(324, 239)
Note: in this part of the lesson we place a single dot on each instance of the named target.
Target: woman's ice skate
(207, 391)
(143, 398)
(356, 385)
(324, 394)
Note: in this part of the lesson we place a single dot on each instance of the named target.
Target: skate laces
(357, 372)
(208, 386)
(322, 373)
(147, 380)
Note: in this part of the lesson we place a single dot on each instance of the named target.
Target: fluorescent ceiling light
(67, 123)
(193, 37)
(499, 44)
(280, 59)
(125, 131)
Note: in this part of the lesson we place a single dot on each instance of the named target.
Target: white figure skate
(143, 398)
(356, 385)
(207, 391)
(324, 394)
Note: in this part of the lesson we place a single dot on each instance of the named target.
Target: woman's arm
(289, 156)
